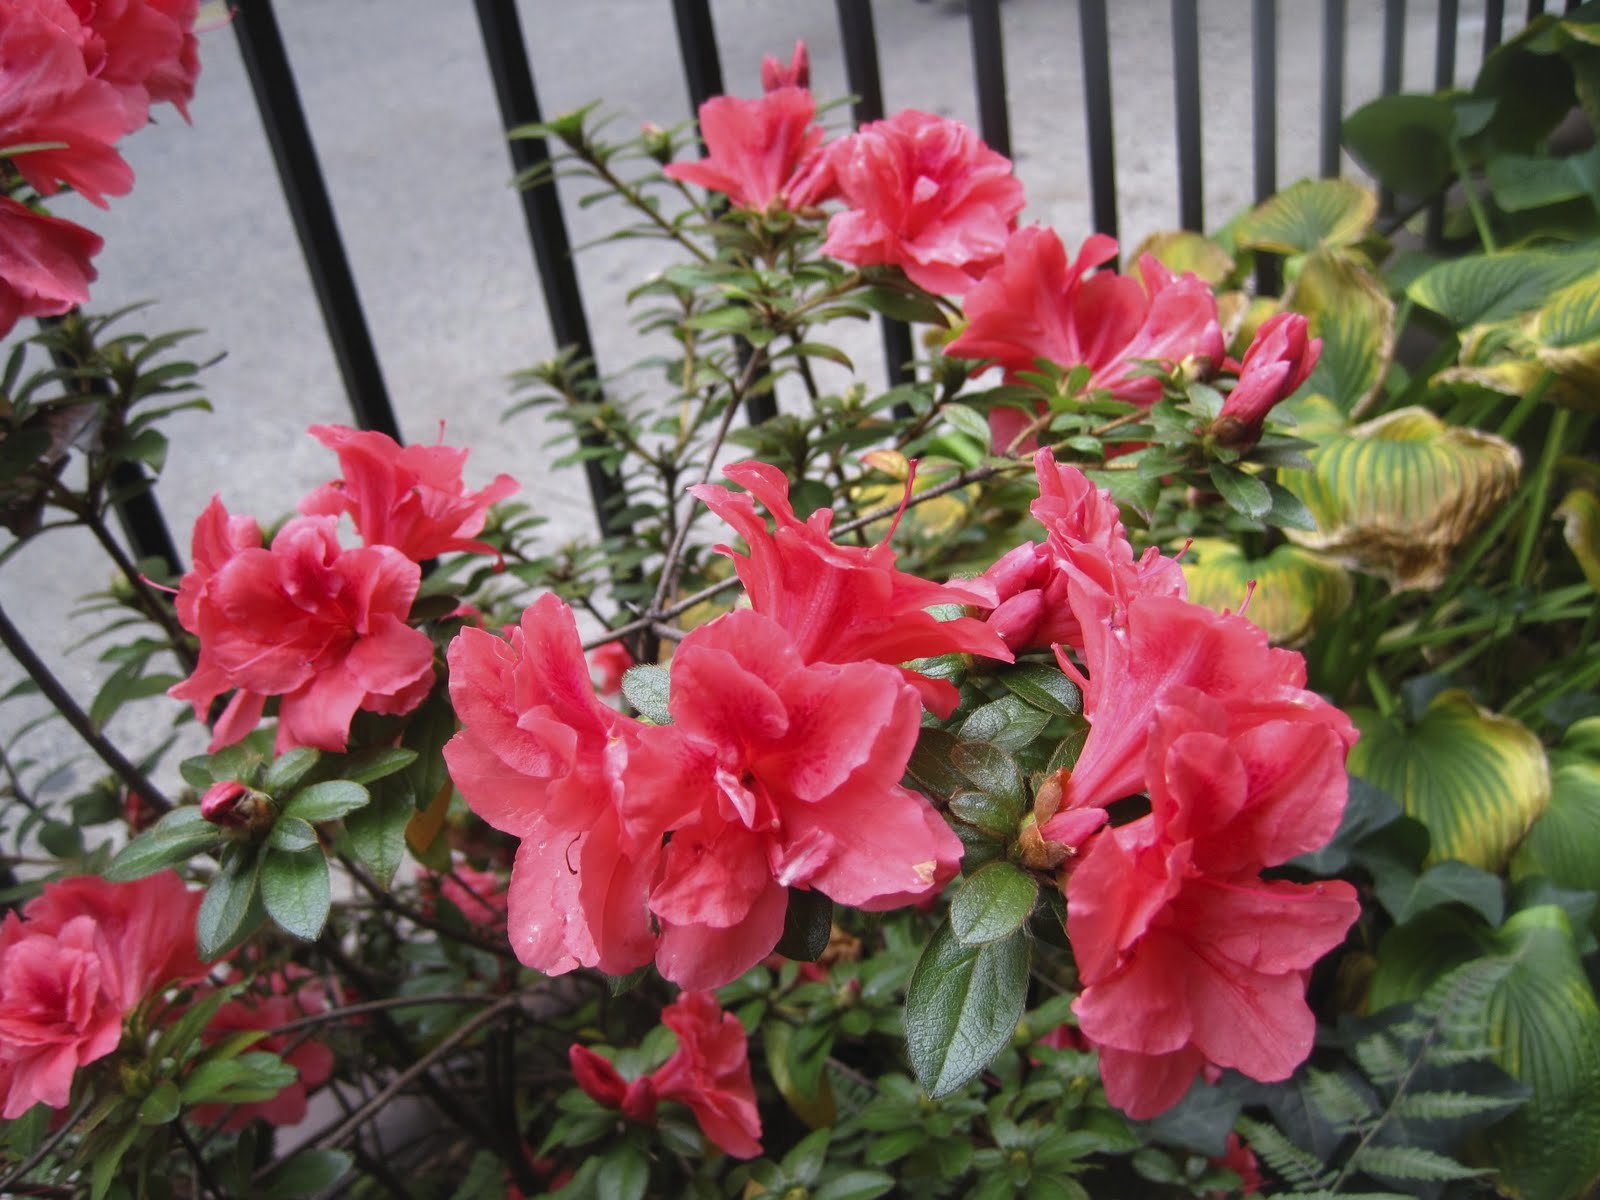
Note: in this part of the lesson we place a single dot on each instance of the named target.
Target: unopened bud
(657, 142)
(232, 805)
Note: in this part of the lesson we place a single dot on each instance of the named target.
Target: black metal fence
(277, 98)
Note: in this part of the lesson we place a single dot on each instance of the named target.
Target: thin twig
(208, 1181)
(46, 1146)
(30, 662)
(415, 915)
(371, 1006)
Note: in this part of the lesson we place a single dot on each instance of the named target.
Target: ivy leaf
(962, 1007)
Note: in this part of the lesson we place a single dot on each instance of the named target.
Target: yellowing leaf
(1181, 250)
(1309, 215)
(1296, 590)
(1580, 513)
(1348, 308)
(1476, 779)
(1394, 497)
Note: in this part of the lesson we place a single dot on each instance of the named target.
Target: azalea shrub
(1152, 751)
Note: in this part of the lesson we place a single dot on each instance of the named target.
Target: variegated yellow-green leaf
(1347, 308)
(1580, 514)
(1308, 215)
(1483, 289)
(1181, 250)
(1567, 333)
(1476, 779)
(1564, 843)
(1296, 590)
(1394, 497)
(1583, 738)
(1542, 1024)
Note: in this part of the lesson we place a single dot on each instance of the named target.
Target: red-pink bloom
(293, 995)
(48, 96)
(540, 757)
(408, 497)
(220, 805)
(1279, 360)
(786, 775)
(1188, 958)
(842, 603)
(636, 1099)
(84, 954)
(794, 73)
(146, 48)
(321, 627)
(761, 152)
(480, 896)
(924, 194)
(44, 263)
(1241, 1160)
(1036, 305)
(710, 1072)
(611, 662)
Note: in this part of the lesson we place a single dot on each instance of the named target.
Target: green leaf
(295, 889)
(1451, 882)
(1349, 308)
(992, 770)
(292, 834)
(807, 925)
(161, 1105)
(854, 1185)
(1394, 497)
(376, 762)
(1244, 492)
(308, 1173)
(1308, 215)
(1044, 687)
(804, 1163)
(930, 767)
(1404, 140)
(1564, 843)
(967, 421)
(326, 801)
(647, 687)
(1009, 724)
(231, 908)
(1485, 288)
(376, 835)
(1580, 514)
(911, 307)
(1297, 591)
(289, 770)
(242, 1079)
(1477, 780)
(624, 1173)
(1412, 1162)
(992, 903)
(962, 1007)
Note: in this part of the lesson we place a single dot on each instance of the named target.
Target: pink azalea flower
(480, 896)
(540, 757)
(842, 603)
(44, 264)
(611, 663)
(294, 994)
(635, 1099)
(710, 1072)
(1036, 305)
(1279, 360)
(146, 48)
(788, 775)
(794, 73)
(321, 627)
(924, 194)
(761, 152)
(84, 954)
(408, 497)
(47, 95)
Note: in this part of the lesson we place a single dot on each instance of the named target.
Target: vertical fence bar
(278, 101)
(1096, 38)
(1535, 9)
(861, 75)
(702, 72)
(989, 70)
(1333, 34)
(1444, 76)
(547, 229)
(1186, 98)
(1394, 46)
(1494, 19)
(1264, 88)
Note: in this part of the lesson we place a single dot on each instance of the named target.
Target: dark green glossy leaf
(992, 903)
(962, 1007)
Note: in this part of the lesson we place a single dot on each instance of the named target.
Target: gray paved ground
(406, 127)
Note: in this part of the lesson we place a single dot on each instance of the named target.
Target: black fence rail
(276, 95)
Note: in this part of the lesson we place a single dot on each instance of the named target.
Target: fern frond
(1346, 1109)
(1299, 1167)
(1411, 1162)
(1448, 1106)
(1383, 1057)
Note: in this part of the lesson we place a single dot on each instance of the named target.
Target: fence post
(1186, 97)
(1096, 39)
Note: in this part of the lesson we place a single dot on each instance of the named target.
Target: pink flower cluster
(321, 627)
(84, 954)
(75, 77)
(791, 731)
(1189, 960)
(709, 1073)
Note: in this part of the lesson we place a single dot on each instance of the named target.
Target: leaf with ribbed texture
(1564, 843)
(962, 1006)
(1181, 250)
(1348, 307)
(1296, 590)
(1394, 497)
(1476, 779)
(1309, 215)
(1485, 288)
(1413, 1162)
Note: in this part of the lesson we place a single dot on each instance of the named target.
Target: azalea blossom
(610, 662)
(1280, 358)
(83, 955)
(409, 497)
(293, 993)
(321, 627)
(794, 73)
(842, 603)
(48, 96)
(635, 1099)
(145, 48)
(44, 263)
(926, 195)
(1036, 305)
(761, 152)
(480, 896)
(710, 1072)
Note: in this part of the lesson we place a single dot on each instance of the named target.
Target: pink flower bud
(602, 1083)
(228, 803)
(1279, 360)
(794, 73)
